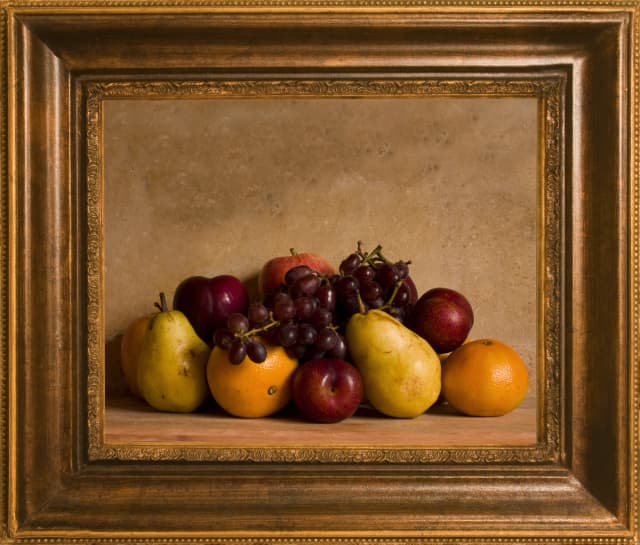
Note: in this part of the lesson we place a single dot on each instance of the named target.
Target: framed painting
(493, 145)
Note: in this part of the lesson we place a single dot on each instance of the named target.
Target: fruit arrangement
(325, 340)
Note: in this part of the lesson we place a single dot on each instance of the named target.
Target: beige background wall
(221, 186)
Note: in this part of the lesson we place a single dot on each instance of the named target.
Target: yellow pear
(400, 370)
(172, 364)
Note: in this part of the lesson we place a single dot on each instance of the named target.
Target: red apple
(327, 390)
(273, 272)
(207, 302)
(443, 317)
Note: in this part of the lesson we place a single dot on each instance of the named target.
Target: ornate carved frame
(62, 482)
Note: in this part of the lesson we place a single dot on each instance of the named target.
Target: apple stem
(293, 251)
(162, 306)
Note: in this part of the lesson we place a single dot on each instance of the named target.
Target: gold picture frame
(63, 481)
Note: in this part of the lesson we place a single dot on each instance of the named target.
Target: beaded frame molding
(62, 483)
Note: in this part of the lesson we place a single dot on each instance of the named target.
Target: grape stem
(369, 257)
(374, 256)
(378, 253)
(396, 287)
(261, 329)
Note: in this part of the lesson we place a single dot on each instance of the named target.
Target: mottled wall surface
(221, 186)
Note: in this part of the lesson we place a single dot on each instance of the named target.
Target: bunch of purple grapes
(371, 281)
(305, 308)
(299, 316)
(308, 313)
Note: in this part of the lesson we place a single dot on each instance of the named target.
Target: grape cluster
(299, 316)
(305, 308)
(307, 314)
(239, 339)
(371, 281)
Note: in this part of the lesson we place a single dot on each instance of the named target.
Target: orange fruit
(251, 390)
(484, 378)
(130, 347)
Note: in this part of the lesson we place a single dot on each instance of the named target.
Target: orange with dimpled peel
(484, 377)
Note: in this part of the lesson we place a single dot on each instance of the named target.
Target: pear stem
(162, 306)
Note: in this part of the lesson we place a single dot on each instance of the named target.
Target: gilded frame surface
(61, 482)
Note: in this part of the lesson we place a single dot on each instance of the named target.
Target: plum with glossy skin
(443, 317)
(273, 271)
(327, 390)
(208, 302)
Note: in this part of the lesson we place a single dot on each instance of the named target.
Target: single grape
(326, 296)
(305, 307)
(280, 296)
(322, 317)
(287, 334)
(401, 268)
(350, 264)
(327, 339)
(223, 338)
(296, 350)
(297, 272)
(256, 351)
(305, 286)
(376, 303)
(307, 334)
(402, 296)
(238, 323)
(387, 275)
(370, 290)
(257, 313)
(237, 352)
(284, 308)
(364, 273)
(346, 286)
(339, 350)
